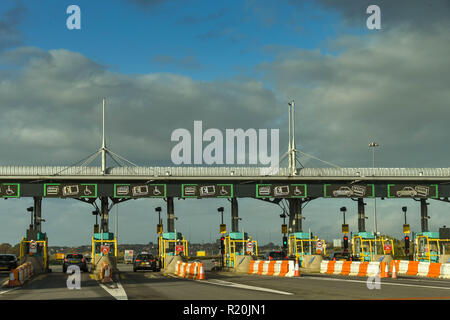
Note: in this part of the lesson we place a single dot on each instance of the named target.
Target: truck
(128, 257)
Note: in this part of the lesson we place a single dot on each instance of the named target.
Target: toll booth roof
(171, 236)
(106, 236)
(366, 235)
(238, 235)
(432, 235)
(301, 235)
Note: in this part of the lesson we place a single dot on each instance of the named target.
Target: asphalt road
(150, 285)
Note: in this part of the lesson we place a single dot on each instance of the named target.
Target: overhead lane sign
(281, 191)
(412, 191)
(73, 190)
(140, 190)
(349, 190)
(10, 190)
(207, 191)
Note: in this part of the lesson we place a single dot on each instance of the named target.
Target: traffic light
(222, 245)
(345, 243)
(285, 242)
(406, 244)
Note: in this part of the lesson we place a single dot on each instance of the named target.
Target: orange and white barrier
(400, 267)
(279, 268)
(106, 274)
(423, 269)
(22, 273)
(350, 268)
(192, 270)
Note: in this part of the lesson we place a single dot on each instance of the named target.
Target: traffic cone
(202, 273)
(297, 269)
(107, 274)
(387, 270)
(394, 272)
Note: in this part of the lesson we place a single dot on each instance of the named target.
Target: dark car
(276, 255)
(146, 261)
(341, 256)
(76, 259)
(8, 262)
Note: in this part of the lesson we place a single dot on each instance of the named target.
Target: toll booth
(365, 246)
(301, 243)
(104, 244)
(171, 244)
(35, 248)
(238, 244)
(428, 247)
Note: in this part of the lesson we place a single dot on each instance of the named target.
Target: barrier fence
(278, 268)
(190, 270)
(20, 275)
(400, 267)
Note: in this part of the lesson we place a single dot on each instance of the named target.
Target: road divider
(278, 268)
(386, 269)
(190, 270)
(20, 275)
(423, 269)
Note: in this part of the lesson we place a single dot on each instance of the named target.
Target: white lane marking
(241, 286)
(383, 283)
(6, 291)
(118, 293)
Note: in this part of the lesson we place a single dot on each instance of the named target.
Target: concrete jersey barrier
(279, 268)
(402, 267)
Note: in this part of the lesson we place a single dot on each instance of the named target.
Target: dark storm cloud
(390, 87)
(57, 120)
(417, 14)
(9, 34)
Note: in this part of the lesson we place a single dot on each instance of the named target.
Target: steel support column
(37, 212)
(361, 216)
(295, 215)
(424, 215)
(104, 215)
(234, 215)
(170, 215)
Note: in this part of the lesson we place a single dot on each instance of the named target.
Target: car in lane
(146, 261)
(8, 262)
(276, 255)
(75, 259)
(341, 256)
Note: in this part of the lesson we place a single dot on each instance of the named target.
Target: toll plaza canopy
(225, 182)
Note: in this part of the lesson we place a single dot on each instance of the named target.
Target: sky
(162, 64)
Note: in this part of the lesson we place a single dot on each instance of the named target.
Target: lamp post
(343, 210)
(404, 211)
(30, 210)
(373, 145)
(220, 209)
(158, 209)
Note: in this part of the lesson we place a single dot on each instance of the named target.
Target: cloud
(58, 120)
(389, 87)
(416, 14)
(9, 33)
